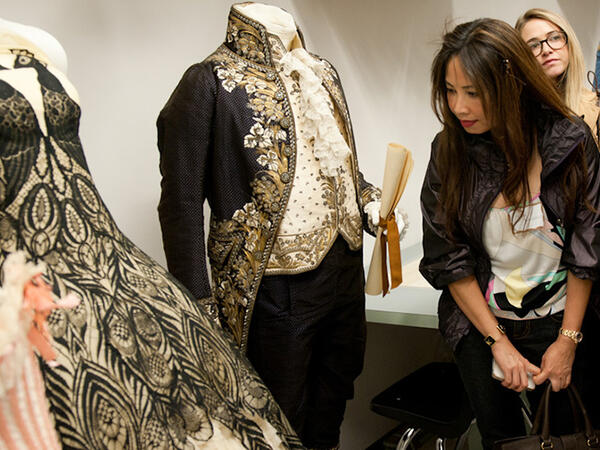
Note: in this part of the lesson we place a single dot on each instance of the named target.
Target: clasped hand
(557, 362)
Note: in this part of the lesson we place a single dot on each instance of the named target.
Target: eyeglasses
(555, 41)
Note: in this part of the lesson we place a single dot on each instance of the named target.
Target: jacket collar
(484, 152)
(557, 138)
(250, 40)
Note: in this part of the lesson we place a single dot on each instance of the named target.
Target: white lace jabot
(330, 147)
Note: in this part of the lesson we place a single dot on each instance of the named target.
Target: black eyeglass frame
(547, 42)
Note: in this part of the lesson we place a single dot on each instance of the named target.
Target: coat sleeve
(581, 254)
(444, 260)
(185, 142)
(367, 193)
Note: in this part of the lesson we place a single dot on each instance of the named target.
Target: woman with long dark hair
(511, 227)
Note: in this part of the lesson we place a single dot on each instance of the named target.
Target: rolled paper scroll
(398, 165)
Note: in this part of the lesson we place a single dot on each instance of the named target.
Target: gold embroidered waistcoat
(319, 207)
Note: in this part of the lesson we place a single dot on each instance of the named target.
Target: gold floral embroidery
(301, 251)
(239, 243)
(277, 48)
(246, 39)
(369, 194)
(239, 247)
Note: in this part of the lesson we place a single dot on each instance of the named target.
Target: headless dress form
(141, 365)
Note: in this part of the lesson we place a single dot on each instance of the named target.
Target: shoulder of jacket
(199, 70)
(436, 140)
(217, 57)
(589, 99)
(554, 125)
(559, 134)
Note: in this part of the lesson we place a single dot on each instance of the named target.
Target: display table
(413, 303)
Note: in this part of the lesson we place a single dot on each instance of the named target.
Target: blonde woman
(556, 47)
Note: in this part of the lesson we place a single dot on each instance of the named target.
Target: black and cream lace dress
(141, 365)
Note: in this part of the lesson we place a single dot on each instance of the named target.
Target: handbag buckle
(544, 445)
(592, 442)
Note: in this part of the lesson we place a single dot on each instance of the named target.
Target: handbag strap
(542, 411)
(542, 418)
(577, 418)
(545, 437)
(590, 433)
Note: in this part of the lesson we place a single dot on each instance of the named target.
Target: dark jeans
(498, 409)
(307, 342)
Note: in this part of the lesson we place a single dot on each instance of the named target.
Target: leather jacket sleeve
(581, 254)
(444, 260)
(184, 141)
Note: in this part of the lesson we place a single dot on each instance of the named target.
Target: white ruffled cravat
(330, 147)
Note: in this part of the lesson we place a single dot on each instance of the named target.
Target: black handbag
(580, 440)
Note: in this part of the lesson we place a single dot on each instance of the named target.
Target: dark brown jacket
(446, 261)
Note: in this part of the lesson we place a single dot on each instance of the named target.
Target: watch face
(489, 341)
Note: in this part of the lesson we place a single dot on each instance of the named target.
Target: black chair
(431, 399)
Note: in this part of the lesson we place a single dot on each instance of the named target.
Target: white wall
(125, 58)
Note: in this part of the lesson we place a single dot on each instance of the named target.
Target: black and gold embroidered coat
(226, 114)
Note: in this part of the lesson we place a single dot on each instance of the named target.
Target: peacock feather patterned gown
(142, 366)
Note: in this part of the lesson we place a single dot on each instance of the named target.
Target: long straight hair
(513, 90)
(571, 81)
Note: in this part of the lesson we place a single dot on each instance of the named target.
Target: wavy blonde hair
(571, 80)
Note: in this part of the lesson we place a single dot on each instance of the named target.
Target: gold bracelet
(575, 336)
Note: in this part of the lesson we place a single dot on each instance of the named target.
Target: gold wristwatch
(490, 340)
(575, 336)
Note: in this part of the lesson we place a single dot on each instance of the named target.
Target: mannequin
(261, 130)
(140, 364)
(47, 45)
